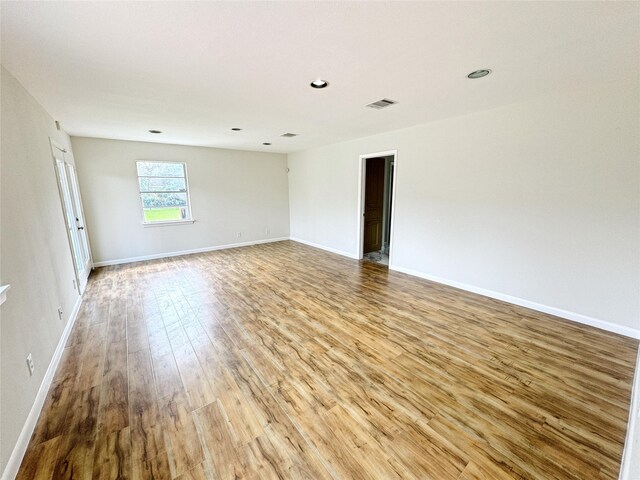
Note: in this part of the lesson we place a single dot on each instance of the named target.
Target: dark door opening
(373, 205)
(377, 209)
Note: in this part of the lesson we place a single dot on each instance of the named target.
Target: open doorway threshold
(377, 257)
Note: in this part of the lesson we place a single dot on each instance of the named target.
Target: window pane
(166, 214)
(170, 201)
(149, 184)
(160, 169)
(157, 200)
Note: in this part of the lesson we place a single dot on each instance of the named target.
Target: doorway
(73, 214)
(376, 212)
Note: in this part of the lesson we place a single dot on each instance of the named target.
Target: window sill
(165, 224)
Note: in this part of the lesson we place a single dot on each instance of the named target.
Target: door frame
(361, 186)
(61, 156)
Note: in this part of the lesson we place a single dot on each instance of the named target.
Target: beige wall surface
(231, 191)
(35, 255)
(537, 200)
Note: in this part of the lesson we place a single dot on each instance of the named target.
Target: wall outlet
(60, 312)
(239, 234)
(267, 231)
(30, 364)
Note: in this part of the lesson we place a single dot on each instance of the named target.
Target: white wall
(537, 200)
(231, 191)
(35, 254)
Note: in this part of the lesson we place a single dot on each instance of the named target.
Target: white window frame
(185, 221)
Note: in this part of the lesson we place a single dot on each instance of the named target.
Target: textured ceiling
(195, 70)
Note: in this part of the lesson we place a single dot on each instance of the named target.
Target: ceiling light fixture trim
(479, 73)
(319, 83)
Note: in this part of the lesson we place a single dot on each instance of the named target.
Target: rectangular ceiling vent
(384, 103)
(289, 135)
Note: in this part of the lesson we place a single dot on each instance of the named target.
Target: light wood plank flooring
(282, 361)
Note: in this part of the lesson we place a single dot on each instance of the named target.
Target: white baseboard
(185, 252)
(576, 317)
(13, 465)
(322, 247)
(630, 468)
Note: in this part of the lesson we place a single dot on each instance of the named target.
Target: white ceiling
(194, 70)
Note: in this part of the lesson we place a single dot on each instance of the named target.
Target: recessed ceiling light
(319, 83)
(155, 131)
(266, 143)
(479, 73)
(236, 129)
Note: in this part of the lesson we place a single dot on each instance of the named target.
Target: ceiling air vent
(289, 135)
(384, 103)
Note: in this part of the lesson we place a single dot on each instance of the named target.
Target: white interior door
(73, 215)
(87, 264)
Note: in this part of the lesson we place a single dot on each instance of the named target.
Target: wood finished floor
(282, 361)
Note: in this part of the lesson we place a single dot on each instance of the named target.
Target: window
(164, 192)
